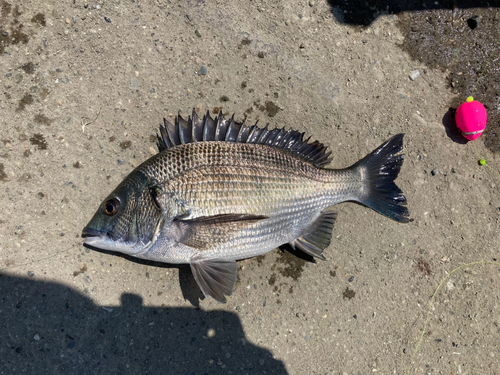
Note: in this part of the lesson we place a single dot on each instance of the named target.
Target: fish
(219, 191)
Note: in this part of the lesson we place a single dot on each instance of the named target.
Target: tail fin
(379, 169)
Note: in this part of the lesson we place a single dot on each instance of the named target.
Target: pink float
(471, 119)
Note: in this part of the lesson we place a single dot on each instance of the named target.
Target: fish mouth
(103, 240)
(92, 235)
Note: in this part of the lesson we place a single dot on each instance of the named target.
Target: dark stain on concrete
(348, 293)
(39, 19)
(290, 265)
(260, 259)
(270, 108)
(15, 34)
(82, 270)
(3, 175)
(28, 68)
(39, 141)
(27, 99)
(42, 119)
(125, 145)
(272, 279)
(424, 267)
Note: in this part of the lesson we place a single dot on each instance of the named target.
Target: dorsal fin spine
(208, 129)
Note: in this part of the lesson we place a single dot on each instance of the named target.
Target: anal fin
(318, 236)
(215, 277)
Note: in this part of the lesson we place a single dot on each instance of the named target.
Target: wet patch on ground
(28, 68)
(14, 35)
(125, 145)
(3, 175)
(424, 267)
(39, 19)
(82, 270)
(289, 264)
(42, 119)
(39, 140)
(26, 100)
(270, 108)
(348, 293)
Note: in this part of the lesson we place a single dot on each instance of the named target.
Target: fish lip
(91, 233)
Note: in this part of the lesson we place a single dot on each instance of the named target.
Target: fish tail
(378, 171)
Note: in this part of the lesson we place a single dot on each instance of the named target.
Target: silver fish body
(220, 191)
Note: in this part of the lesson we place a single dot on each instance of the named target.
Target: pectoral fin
(205, 232)
(215, 277)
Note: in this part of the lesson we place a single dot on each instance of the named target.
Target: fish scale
(287, 179)
(220, 191)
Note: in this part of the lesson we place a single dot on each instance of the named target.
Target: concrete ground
(85, 86)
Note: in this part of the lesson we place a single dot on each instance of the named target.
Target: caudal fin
(379, 169)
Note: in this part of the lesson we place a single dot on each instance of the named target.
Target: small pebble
(134, 84)
(198, 34)
(203, 70)
(31, 274)
(434, 171)
(351, 279)
(107, 19)
(36, 337)
(414, 74)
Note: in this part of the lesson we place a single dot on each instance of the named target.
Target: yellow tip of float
(470, 99)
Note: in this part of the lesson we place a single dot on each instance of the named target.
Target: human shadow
(189, 288)
(364, 12)
(49, 328)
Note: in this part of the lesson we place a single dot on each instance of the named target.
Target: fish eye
(111, 207)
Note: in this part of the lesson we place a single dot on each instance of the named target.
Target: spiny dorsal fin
(207, 129)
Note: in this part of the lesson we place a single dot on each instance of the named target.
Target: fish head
(128, 220)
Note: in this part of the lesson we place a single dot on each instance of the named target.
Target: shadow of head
(364, 12)
(57, 327)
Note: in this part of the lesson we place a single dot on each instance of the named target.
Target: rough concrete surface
(84, 88)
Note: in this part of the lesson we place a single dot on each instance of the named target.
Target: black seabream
(220, 191)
